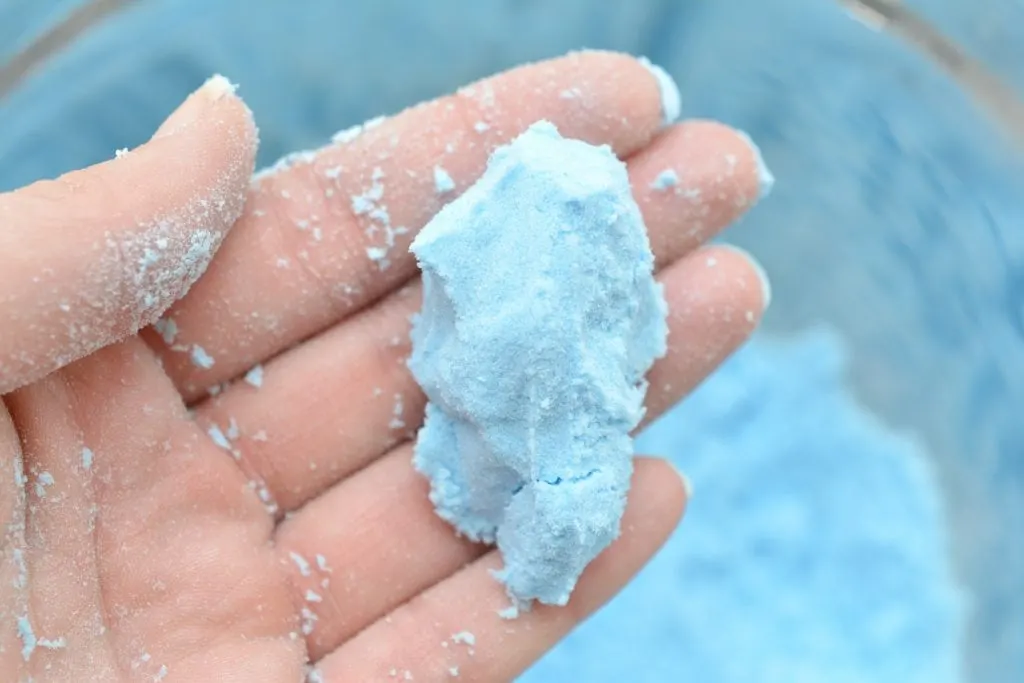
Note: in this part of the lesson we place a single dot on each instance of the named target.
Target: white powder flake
(255, 376)
(218, 437)
(29, 641)
(167, 329)
(87, 458)
(43, 481)
(665, 181)
(481, 127)
(396, 413)
(21, 578)
(28, 637)
(300, 562)
(464, 637)
(309, 619)
(443, 182)
(200, 358)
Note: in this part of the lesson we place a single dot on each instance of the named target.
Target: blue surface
(814, 548)
(895, 219)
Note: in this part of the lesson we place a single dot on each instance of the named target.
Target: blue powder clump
(540, 318)
(814, 550)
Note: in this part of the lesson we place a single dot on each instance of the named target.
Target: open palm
(228, 495)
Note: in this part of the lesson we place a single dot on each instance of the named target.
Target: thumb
(92, 257)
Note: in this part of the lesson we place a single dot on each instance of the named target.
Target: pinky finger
(453, 630)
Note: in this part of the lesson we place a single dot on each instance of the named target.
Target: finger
(455, 626)
(708, 320)
(349, 386)
(93, 256)
(329, 233)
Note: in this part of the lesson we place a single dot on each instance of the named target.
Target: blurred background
(858, 467)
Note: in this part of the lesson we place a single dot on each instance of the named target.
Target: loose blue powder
(540, 318)
(814, 549)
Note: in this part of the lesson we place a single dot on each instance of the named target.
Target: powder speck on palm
(540, 318)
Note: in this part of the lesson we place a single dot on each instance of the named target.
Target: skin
(171, 556)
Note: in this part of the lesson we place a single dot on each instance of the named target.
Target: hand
(240, 536)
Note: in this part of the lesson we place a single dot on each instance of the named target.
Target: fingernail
(687, 483)
(765, 179)
(192, 108)
(671, 102)
(766, 285)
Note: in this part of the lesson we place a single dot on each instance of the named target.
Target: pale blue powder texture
(540, 318)
(814, 549)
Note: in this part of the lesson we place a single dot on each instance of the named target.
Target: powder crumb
(255, 376)
(407, 675)
(481, 127)
(28, 637)
(42, 482)
(200, 358)
(313, 596)
(87, 457)
(121, 153)
(393, 673)
(21, 579)
(167, 329)
(712, 262)
(321, 563)
(309, 619)
(396, 413)
(453, 671)
(443, 182)
(333, 173)
(233, 431)
(261, 435)
(300, 562)
(314, 676)
(666, 180)
(218, 438)
(510, 612)
(161, 674)
(55, 644)
(570, 93)
(464, 637)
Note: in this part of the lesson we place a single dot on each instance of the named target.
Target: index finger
(326, 233)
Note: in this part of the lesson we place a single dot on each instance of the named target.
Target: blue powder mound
(540, 318)
(814, 549)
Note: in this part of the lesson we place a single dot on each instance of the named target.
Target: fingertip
(765, 178)
(755, 267)
(659, 495)
(671, 100)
